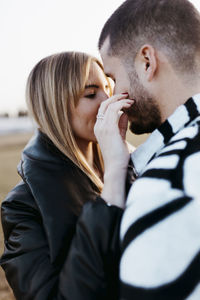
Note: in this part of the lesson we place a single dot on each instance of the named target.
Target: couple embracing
(94, 218)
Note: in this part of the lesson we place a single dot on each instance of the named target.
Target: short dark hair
(171, 25)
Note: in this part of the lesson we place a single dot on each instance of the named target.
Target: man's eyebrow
(91, 86)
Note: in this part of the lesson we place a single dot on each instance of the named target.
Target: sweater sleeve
(91, 270)
(160, 228)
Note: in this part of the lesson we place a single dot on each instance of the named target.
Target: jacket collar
(182, 117)
(41, 148)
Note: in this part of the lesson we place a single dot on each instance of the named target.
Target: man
(151, 49)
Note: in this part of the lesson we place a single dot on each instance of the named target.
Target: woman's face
(97, 89)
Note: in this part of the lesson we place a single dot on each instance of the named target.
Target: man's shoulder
(188, 132)
(185, 142)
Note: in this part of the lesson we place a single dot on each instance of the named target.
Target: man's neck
(176, 94)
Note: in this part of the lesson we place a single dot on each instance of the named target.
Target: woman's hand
(110, 130)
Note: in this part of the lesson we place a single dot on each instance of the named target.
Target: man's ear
(148, 61)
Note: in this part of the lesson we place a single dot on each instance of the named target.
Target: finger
(123, 125)
(112, 116)
(123, 121)
(104, 105)
(113, 110)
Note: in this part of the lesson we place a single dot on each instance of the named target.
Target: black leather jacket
(39, 222)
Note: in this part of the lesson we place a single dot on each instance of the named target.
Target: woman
(61, 169)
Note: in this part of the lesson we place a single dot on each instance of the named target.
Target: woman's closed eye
(91, 95)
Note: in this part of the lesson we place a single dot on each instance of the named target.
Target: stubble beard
(144, 115)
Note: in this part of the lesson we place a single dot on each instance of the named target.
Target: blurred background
(29, 31)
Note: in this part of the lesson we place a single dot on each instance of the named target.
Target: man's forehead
(109, 61)
(105, 48)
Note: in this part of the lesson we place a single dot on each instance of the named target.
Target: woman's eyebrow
(91, 86)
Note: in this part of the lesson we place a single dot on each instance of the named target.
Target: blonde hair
(54, 87)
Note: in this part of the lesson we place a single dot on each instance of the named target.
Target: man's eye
(111, 79)
(90, 96)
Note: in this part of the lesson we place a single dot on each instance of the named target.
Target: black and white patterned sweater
(160, 230)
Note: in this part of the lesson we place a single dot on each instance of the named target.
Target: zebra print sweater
(160, 229)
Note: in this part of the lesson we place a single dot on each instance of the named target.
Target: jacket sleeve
(91, 269)
(27, 261)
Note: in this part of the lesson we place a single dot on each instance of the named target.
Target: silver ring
(100, 116)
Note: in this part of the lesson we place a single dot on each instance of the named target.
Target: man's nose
(105, 95)
(116, 90)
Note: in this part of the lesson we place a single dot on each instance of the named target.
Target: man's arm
(160, 230)
(91, 270)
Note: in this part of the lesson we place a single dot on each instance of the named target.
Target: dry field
(10, 149)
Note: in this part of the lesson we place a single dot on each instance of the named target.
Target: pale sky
(33, 29)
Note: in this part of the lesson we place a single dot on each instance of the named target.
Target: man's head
(143, 45)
